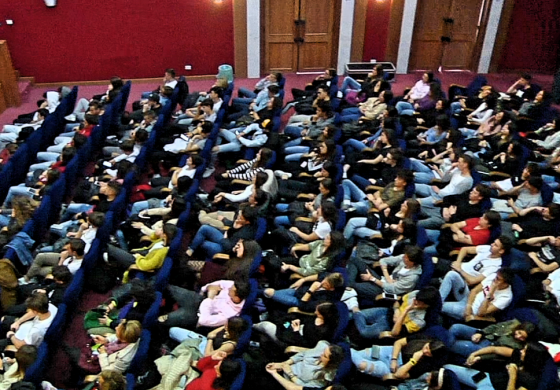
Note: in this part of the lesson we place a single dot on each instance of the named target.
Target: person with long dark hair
(218, 372)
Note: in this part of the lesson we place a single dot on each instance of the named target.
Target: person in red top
(67, 154)
(90, 121)
(471, 232)
(218, 372)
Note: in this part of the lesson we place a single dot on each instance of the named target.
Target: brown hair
(131, 331)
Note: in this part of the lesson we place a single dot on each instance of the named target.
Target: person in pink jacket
(216, 303)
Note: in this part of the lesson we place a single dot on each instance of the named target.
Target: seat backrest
(151, 315)
(250, 300)
(244, 339)
(343, 320)
(240, 379)
(427, 272)
(137, 364)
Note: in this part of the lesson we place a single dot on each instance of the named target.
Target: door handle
(445, 39)
(299, 22)
(299, 40)
(449, 20)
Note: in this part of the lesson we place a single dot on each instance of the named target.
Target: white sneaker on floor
(208, 172)
(71, 118)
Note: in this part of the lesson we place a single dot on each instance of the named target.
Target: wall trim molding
(345, 36)
(490, 37)
(407, 29)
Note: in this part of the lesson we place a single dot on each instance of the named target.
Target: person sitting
(524, 370)
(115, 351)
(459, 180)
(403, 278)
(409, 357)
(321, 258)
(225, 299)
(467, 339)
(313, 368)
(71, 256)
(223, 339)
(329, 289)
(407, 318)
(30, 328)
(538, 221)
(24, 358)
(301, 330)
(486, 300)
(212, 240)
(463, 276)
(218, 372)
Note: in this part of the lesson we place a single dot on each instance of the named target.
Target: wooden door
(445, 34)
(427, 48)
(281, 52)
(458, 53)
(316, 25)
(299, 35)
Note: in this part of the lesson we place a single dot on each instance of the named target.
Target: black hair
(329, 212)
(507, 243)
(171, 71)
(507, 274)
(78, 245)
(442, 121)
(229, 370)
(38, 302)
(274, 89)
(62, 274)
(250, 214)
(154, 97)
(206, 127)
(483, 190)
(116, 82)
(415, 254)
(92, 119)
(170, 232)
(207, 103)
(243, 289)
(79, 140)
(67, 154)
(406, 175)
(96, 218)
(493, 218)
(428, 295)
(43, 112)
(554, 210)
(218, 91)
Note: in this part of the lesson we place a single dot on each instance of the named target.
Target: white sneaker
(71, 118)
(106, 257)
(279, 173)
(22, 281)
(208, 172)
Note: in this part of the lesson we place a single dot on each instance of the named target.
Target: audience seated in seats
(402, 280)
(312, 368)
(402, 320)
(224, 299)
(223, 339)
(71, 256)
(409, 357)
(219, 371)
(30, 328)
(22, 210)
(372, 86)
(24, 358)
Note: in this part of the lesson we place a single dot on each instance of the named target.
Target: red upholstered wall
(377, 28)
(94, 40)
(533, 41)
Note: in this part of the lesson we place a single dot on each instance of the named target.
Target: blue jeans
(180, 334)
(350, 114)
(405, 108)
(357, 227)
(286, 297)
(371, 322)
(419, 166)
(246, 93)
(453, 281)
(426, 194)
(73, 209)
(63, 229)
(293, 131)
(4, 220)
(208, 238)
(293, 143)
(456, 107)
(19, 190)
(232, 145)
(352, 191)
(375, 367)
(246, 101)
(461, 343)
(282, 220)
(349, 84)
(353, 145)
(464, 375)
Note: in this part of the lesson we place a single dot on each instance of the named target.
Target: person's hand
(270, 369)
(512, 369)
(104, 320)
(137, 225)
(110, 307)
(296, 325)
(225, 175)
(15, 326)
(219, 355)
(456, 266)
(294, 229)
(285, 267)
(213, 291)
(367, 277)
(476, 338)
(472, 359)
(218, 199)
(102, 349)
(309, 206)
(394, 366)
(10, 334)
(297, 284)
(99, 339)
(315, 286)
(436, 189)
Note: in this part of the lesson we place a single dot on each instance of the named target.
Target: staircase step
(24, 89)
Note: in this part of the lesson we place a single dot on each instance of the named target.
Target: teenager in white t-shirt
(465, 275)
(30, 329)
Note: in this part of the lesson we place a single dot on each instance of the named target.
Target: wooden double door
(300, 34)
(447, 34)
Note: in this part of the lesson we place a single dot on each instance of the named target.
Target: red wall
(533, 41)
(377, 29)
(94, 40)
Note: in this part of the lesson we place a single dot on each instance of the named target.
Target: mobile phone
(31, 191)
(390, 296)
(478, 377)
